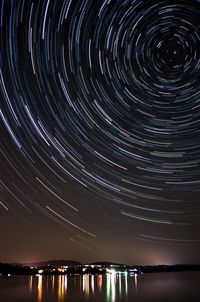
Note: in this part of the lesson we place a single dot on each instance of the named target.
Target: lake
(162, 287)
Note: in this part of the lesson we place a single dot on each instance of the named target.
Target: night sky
(100, 131)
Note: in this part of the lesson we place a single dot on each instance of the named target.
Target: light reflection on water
(31, 283)
(56, 283)
(89, 284)
(114, 284)
(162, 287)
(39, 288)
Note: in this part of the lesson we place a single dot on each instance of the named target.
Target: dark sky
(100, 131)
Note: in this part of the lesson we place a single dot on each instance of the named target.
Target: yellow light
(39, 288)
(62, 287)
(31, 283)
(99, 282)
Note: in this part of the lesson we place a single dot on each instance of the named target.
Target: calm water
(169, 287)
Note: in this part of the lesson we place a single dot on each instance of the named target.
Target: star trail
(100, 130)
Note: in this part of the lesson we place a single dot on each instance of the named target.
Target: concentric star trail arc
(99, 108)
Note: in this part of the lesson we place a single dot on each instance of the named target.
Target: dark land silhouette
(65, 267)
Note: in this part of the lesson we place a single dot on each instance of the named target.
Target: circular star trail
(100, 114)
